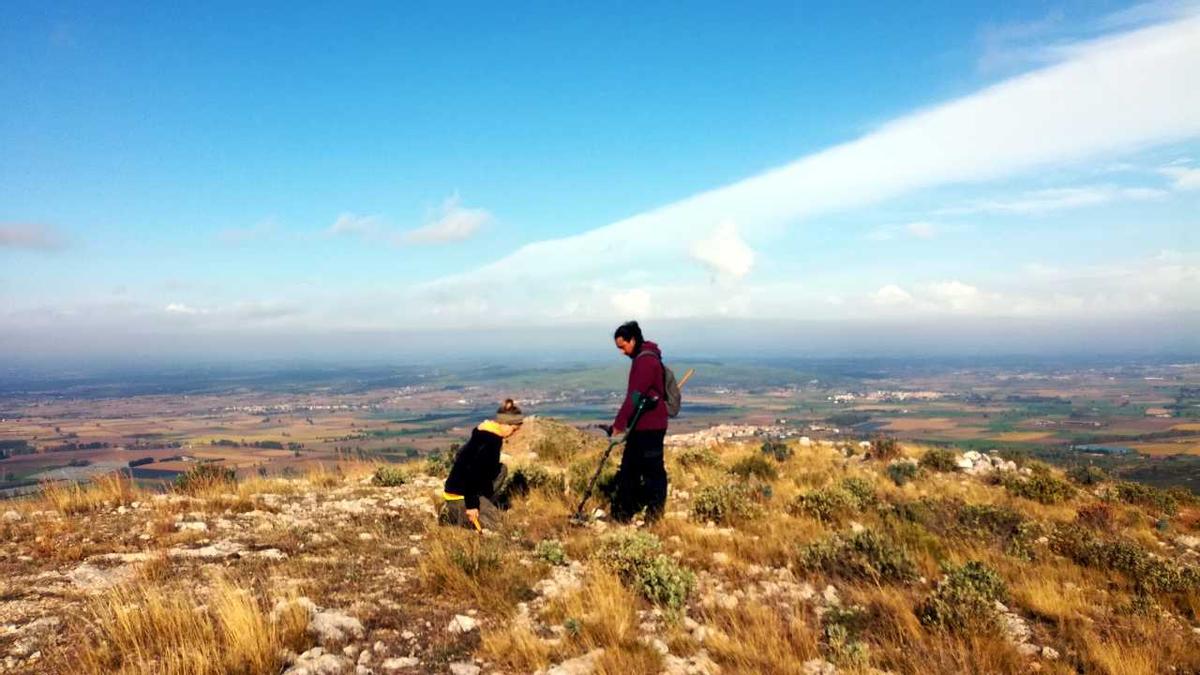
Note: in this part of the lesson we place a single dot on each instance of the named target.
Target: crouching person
(475, 479)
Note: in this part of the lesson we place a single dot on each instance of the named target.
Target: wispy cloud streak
(1118, 94)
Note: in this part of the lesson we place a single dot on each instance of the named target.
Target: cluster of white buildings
(884, 396)
(285, 408)
(723, 433)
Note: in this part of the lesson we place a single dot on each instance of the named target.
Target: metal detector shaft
(637, 415)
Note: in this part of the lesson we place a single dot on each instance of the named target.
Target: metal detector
(642, 403)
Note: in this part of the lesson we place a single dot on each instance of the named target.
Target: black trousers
(642, 479)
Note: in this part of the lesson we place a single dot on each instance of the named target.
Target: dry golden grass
(515, 647)
(480, 569)
(1046, 593)
(109, 490)
(635, 659)
(319, 476)
(605, 615)
(151, 629)
(754, 638)
(1139, 647)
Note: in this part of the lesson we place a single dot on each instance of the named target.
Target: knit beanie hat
(509, 413)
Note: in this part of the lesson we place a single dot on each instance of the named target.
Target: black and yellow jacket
(475, 466)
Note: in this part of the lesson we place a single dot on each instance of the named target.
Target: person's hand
(608, 429)
(473, 516)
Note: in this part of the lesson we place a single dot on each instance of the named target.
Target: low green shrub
(557, 448)
(965, 599)
(637, 559)
(665, 582)
(861, 489)
(551, 551)
(728, 503)
(1041, 487)
(537, 477)
(697, 456)
(828, 504)
(833, 503)
(755, 466)
(1086, 474)
(884, 448)
(777, 450)
(439, 462)
(205, 477)
(902, 472)
(1148, 572)
(990, 520)
(389, 476)
(581, 472)
(1147, 496)
(939, 459)
(843, 628)
(865, 555)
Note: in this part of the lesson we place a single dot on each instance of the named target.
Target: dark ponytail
(630, 330)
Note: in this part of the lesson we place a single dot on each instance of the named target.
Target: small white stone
(462, 624)
(1049, 653)
(400, 663)
(464, 669)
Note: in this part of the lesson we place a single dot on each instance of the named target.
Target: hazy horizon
(1167, 336)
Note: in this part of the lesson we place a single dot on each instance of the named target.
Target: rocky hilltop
(773, 557)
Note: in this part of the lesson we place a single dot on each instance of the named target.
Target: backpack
(672, 396)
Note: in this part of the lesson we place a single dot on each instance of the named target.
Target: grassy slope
(1105, 584)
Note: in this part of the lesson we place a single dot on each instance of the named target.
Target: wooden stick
(687, 376)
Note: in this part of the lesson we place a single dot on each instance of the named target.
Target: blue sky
(268, 170)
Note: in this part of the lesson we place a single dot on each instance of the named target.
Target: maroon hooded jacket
(645, 376)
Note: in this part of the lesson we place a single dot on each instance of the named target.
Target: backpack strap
(660, 362)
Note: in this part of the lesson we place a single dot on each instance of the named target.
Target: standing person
(470, 489)
(642, 478)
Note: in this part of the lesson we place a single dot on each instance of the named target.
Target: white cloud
(33, 236)
(915, 230)
(1056, 199)
(1111, 96)
(452, 222)
(1182, 177)
(724, 252)
(634, 302)
(957, 296)
(922, 230)
(892, 295)
(354, 224)
(180, 308)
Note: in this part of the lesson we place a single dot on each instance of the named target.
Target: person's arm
(466, 465)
